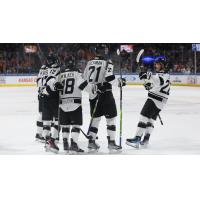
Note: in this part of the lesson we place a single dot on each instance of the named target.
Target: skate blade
(136, 146)
(49, 149)
(40, 141)
(115, 151)
(144, 146)
(53, 150)
(76, 153)
(91, 151)
(66, 152)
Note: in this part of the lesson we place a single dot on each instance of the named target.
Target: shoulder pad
(43, 67)
(55, 66)
(109, 61)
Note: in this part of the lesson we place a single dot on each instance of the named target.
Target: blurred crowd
(14, 59)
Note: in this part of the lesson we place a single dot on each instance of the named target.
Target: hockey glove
(99, 89)
(58, 86)
(44, 93)
(122, 82)
(148, 86)
(145, 75)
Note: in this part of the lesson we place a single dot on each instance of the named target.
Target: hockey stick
(87, 136)
(120, 132)
(92, 116)
(139, 56)
(160, 119)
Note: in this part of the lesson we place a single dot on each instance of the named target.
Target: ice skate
(144, 143)
(51, 145)
(66, 145)
(74, 148)
(93, 146)
(134, 142)
(39, 138)
(112, 145)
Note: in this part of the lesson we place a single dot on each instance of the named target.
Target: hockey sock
(46, 128)
(94, 127)
(111, 128)
(142, 125)
(54, 130)
(150, 126)
(39, 124)
(65, 132)
(75, 133)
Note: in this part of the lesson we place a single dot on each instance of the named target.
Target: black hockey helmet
(44, 67)
(70, 62)
(52, 59)
(161, 59)
(101, 49)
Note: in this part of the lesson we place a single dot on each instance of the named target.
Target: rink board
(132, 79)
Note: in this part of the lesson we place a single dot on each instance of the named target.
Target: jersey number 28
(69, 85)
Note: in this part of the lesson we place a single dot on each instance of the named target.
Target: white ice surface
(179, 135)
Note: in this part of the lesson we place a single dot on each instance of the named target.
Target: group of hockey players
(60, 102)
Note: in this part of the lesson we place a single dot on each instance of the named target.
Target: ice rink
(179, 135)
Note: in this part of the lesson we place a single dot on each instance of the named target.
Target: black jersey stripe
(110, 78)
(158, 95)
(83, 85)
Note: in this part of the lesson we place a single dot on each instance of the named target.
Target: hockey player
(70, 105)
(158, 87)
(50, 103)
(40, 84)
(102, 103)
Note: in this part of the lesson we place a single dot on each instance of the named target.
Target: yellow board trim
(17, 85)
(27, 85)
(174, 84)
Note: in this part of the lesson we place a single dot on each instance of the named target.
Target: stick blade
(139, 55)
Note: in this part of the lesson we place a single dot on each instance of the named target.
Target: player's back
(71, 95)
(95, 71)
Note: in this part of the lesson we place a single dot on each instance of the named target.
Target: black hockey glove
(100, 88)
(43, 93)
(148, 86)
(145, 75)
(122, 82)
(58, 86)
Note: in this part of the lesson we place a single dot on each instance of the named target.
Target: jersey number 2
(165, 89)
